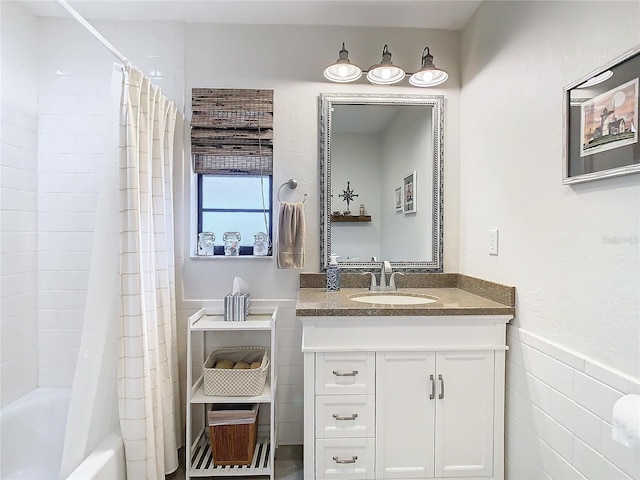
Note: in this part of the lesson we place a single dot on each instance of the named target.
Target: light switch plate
(493, 242)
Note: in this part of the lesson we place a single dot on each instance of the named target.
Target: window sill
(229, 257)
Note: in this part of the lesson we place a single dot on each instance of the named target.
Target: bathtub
(32, 433)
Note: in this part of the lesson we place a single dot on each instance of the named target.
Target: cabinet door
(464, 419)
(404, 415)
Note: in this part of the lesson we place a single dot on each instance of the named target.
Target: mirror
(384, 152)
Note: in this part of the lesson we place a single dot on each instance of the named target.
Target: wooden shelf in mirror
(350, 218)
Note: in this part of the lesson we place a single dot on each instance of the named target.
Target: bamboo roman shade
(232, 131)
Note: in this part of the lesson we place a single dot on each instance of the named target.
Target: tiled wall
(559, 414)
(74, 78)
(71, 129)
(18, 184)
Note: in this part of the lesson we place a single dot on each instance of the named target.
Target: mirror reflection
(381, 192)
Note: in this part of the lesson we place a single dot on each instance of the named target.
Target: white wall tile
(607, 376)
(67, 222)
(18, 200)
(593, 465)
(520, 448)
(17, 263)
(536, 391)
(595, 396)
(64, 242)
(290, 433)
(290, 375)
(290, 355)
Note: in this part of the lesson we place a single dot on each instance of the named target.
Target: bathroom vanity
(405, 391)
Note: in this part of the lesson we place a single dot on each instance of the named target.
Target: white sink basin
(393, 299)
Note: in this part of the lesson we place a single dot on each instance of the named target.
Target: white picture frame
(409, 193)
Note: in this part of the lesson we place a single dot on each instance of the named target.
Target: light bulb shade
(429, 75)
(385, 73)
(343, 71)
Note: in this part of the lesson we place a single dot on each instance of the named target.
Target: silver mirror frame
(327, 101)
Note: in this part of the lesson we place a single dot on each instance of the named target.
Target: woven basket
(232, 382)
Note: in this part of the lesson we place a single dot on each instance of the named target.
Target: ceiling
(438, 14)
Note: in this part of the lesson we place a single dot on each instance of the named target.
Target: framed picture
(409, 193)
(600, 130)
(397, 198)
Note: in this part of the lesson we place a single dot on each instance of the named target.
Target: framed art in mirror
(601, 122)
(409, 204)
(397, 198)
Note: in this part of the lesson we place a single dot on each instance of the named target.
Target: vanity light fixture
(428, 75)
(385, 72)
(343, 71)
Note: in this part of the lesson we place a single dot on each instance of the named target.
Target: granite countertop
(457, 295)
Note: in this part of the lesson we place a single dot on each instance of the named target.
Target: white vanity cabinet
(404, 397)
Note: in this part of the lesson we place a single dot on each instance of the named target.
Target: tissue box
(237, 307)
(236, 382)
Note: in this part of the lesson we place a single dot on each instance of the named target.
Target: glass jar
(205, 243)
(260, 244)
(231, 243)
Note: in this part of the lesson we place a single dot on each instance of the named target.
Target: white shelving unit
(207, 331)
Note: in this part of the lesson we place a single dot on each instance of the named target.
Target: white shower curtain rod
(93, 31)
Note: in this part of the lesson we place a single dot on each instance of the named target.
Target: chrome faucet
(385, 267)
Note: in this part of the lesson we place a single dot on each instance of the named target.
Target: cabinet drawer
(345, 373)
(345, 416)
(345, 458)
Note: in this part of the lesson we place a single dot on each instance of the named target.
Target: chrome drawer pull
(441, 396)
(345, 374)
(433, 388)
(352, 460)
(353, 416)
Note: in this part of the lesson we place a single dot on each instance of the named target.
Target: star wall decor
(348, 195)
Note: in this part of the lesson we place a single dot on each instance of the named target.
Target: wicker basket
(232, 382)
(233, 433)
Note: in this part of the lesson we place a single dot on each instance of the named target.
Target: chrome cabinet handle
(433, 388)
(349, 460)
(345, 374)
(353, 416)
(441, 396)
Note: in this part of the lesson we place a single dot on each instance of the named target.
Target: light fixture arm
(426, 58)
(343, 54)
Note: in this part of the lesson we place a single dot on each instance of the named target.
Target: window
(232, 148)
(235, 204)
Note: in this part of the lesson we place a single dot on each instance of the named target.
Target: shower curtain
(127, 372)
(148, 361)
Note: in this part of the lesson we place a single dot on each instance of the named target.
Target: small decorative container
(231, 243)
(260, 244)
(205, 243)
(333, 274)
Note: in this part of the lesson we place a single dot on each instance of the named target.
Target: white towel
(291, 235)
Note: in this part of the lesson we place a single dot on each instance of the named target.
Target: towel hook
(292, 183)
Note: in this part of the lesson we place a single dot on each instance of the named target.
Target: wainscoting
(559, 407)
